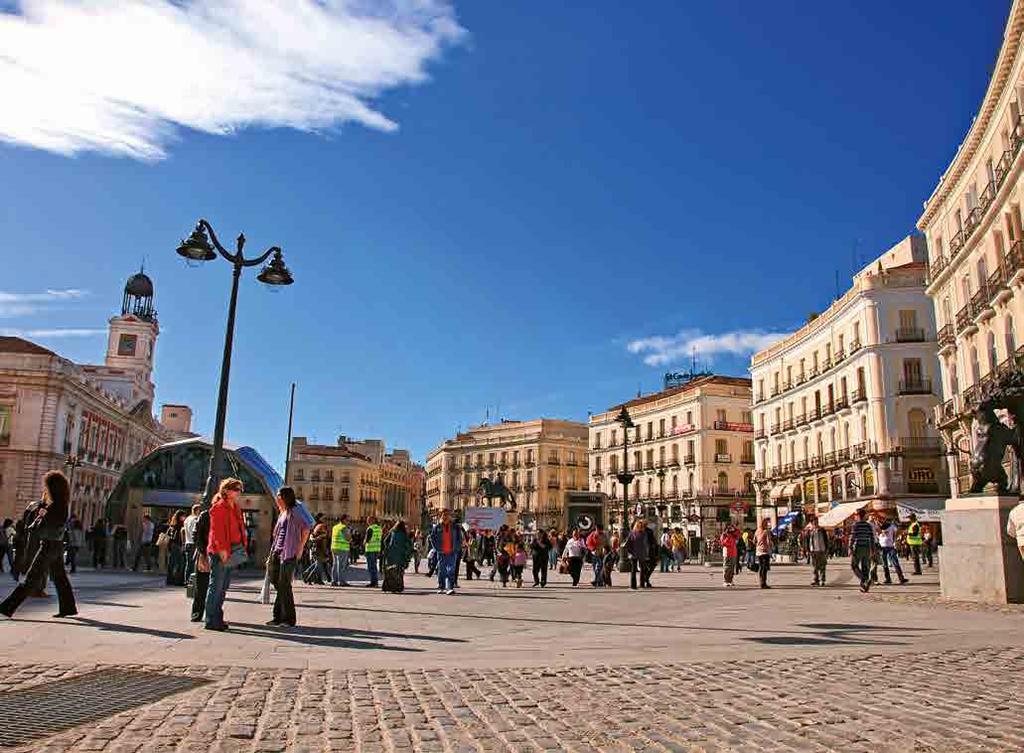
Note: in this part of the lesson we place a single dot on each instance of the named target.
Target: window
(5, 425)
(126, 345)
(721, 415)
(912, 371)
(993, 354)
(674, 421)
(661, 427)
(856, 333)
(721, 447)
(689, 418)
(723, 483)
(917, 423)
(1010, 338)
(747, 417)
(650, 430)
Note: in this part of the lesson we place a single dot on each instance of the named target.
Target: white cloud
(122, 77)
(663, 350)
(51, 333)
(25, 304)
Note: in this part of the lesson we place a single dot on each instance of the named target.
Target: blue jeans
(598, 565)
(190, 561)
(889, 557)
(220, 581)
(339, 568)
(371, 567)
(446, 564)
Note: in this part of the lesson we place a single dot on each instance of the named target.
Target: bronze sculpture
(992, 437)
(489, 490)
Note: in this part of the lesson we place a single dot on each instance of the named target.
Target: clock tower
(132, 337)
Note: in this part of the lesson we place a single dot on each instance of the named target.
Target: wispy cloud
(59, 332)
(663, 350)
(26, 304)
(122, 77)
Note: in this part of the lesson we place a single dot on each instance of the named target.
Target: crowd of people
(201, 550)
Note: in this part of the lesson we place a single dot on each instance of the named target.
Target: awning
(926, 510)
(776, 491)
(784, 490)
(838, 514)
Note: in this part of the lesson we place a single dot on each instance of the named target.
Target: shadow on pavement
(839, 633)
(325, 637)
(116, 628)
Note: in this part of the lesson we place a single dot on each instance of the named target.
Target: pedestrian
(818, 545)
(49, 523)
(665, 551)
(471, 554)
(99, 544)
(144, 547)
(928, 546)
(188, 537)
(540, 549)
(417, 551)
(862, 546)
(555, 553)
(287, 542)
(887, 544)
(728, 540)
(201, 538)
(175, 549)
(678, 544)
(7, 545)
(227, 549)
(597, 546)
(638, 548)
(446, 540)
(573, 554)
(320, 545)
(519, 563)
(74, 540)
(120, 538)
(764, 542)
(371, 547)
(396, 551)
(915, 541)
(1015, 527)
(341, 543)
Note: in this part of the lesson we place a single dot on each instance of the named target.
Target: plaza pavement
(686, 666)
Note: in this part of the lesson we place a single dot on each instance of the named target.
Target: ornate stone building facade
(539, 460)
(101, 415)
(356, 477)
(843, 406)
(975, 234)
(691, 452)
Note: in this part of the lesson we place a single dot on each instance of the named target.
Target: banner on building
(484, 518)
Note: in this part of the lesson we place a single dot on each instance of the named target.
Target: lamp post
(625, 478)
(72, 462)
(197, 248)
(661, 502)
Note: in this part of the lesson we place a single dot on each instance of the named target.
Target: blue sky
(494, 204)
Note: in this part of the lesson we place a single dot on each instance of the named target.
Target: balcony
(800, 466)
(723, 457)
(689, 460)
(776, 428)
(859, 395)
(760, 434)
(530, 463)
(981, 307)
(800, 420)
(855, 346)
(965, 321)
(947, 337)
(598, 473)
(733, 426)
(552, 484)
(910, 335)
(788, 424)
(747, 460)
(915, 387)
(815, 462)
(840, 356)
(859, 451)
(760, 398)
(921, 446)
(554, 461)
(814, 414)
(842, 403)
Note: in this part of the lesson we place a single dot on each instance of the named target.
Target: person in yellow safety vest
(914, 541)
(341, 543)
(371, 546)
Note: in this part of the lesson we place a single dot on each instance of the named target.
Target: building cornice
(982, 121)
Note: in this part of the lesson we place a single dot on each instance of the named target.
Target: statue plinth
(977, 561)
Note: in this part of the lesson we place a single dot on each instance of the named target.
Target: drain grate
(43, 710)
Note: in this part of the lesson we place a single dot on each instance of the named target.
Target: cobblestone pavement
(943, 702)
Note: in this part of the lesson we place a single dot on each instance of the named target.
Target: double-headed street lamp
(72, 462)
(197, 248)
(625, 478)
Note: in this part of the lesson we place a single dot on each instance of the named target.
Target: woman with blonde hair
(226, 549)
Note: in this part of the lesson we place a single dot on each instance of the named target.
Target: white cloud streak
(53, 333)
(26, 304)
(122, 77)
(664, 350)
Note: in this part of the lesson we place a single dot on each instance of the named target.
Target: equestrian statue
(489, 490)
(992, 437)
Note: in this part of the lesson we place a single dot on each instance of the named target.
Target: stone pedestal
(977, 561)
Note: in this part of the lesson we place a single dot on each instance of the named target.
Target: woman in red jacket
(226, 549)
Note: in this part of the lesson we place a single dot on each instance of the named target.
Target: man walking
(597, 545)
(341, 542)
(446, 539)
(887, 543)
(374, 536)
(189, 532)
(144, 548)
(914, 541)
(862, 546)
(201, 566)
(817, 547)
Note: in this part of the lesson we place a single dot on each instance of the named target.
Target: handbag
(273, 569)
(163, 540)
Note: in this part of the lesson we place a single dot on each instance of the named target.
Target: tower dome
(138, 297)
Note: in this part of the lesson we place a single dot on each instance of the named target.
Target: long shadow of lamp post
(197, 248)
(625, 478)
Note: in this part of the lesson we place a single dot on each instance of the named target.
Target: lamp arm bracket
(259, 260)
(216, 243)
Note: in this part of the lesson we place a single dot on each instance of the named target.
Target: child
(518, 563)
(503, 561)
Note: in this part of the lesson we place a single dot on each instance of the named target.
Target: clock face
(126, 345)
(584, 522)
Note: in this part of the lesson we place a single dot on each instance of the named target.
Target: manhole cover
(52, 707)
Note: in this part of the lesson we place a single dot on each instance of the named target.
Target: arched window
(917, 423)
(1010, 338)
(807, 448)
(975, 368)
(982, 273)
(832, 439)
(863, 428)
(723, 483)
(846, 434)
(792, 451)
(993, 354)
(689, 483)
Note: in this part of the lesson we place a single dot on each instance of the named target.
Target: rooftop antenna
(487, 416)
(639, 393)
(837, 285)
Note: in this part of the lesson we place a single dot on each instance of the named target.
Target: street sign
(738, 506)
